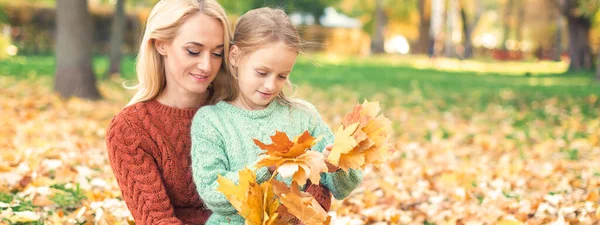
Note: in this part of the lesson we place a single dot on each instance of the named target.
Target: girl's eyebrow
(201, 45)
(267, 68)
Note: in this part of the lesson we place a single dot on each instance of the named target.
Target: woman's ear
(161, 47)
(234, 54)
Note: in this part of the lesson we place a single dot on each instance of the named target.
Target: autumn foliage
(362, 139)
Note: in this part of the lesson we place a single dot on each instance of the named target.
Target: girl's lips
(264, 95)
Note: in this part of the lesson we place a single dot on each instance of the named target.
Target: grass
(395, 76)
(470, 127)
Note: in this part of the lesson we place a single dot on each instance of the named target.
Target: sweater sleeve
(209, 159)
(138, 176)
(340, 183)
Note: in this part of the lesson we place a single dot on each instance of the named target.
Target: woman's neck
(182, 99)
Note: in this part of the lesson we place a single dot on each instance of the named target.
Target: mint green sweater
(222, 144)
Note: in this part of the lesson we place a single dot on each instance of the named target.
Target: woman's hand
(330, 167)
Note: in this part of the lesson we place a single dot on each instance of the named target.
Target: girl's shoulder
(301, 106)
(208, 113)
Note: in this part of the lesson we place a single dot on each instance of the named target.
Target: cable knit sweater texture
(149, 151)
(222, 144)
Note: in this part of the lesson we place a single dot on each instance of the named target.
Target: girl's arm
(208, 160)
(340, 183)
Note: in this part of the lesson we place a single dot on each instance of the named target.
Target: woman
(180, 67)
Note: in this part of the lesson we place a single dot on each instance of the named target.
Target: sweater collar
(171, 111)
(253, 114)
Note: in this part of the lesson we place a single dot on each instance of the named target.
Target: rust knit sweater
(149, 151)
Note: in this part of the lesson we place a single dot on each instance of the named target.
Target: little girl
(264, 51)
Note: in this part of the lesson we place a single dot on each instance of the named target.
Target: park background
(495, 105)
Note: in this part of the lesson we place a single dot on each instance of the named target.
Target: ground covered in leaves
(469, 149)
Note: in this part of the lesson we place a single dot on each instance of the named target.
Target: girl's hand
(272, 169)
(330, 167)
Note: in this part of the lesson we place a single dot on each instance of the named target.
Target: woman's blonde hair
(259, 28)
(164, 22)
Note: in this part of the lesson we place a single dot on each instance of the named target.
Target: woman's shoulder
(130, 117)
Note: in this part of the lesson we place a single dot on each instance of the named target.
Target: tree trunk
(437, 18)
(507, 13)
(598, 65)
(467, 31)
(451, 16)
(74, 75)
(424, 26)
(116, 39)
(377, 44)
(557, 51)
(579, 43)
(520, 24)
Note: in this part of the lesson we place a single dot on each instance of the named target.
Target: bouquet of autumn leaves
(362, 139)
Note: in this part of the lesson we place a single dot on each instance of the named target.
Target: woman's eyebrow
(201, 45)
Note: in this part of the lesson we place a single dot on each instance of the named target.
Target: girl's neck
(242, 103)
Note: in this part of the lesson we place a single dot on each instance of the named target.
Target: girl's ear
(160, 47)
(234, 54)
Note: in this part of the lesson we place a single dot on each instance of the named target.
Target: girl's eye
(283, 77)
(192, 52)
(261, 73)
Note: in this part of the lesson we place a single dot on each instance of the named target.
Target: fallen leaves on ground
(513, 158)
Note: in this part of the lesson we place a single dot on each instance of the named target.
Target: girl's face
(262, 74)
(193, 58)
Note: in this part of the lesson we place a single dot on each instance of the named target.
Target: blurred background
(494, 102)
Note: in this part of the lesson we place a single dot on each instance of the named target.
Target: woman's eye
(283, 77)
(219, 55)
(192, 52)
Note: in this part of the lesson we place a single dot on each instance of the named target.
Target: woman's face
(193, 58)
(262, 74)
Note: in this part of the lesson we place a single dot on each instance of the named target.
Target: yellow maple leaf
(300, 204)
(294, 160)
(344, 142)
(362, 139)
(254, 202)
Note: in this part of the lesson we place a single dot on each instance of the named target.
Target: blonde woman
(181, 67)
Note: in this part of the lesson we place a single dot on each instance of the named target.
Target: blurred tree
(316, 8)
(579, 14)
(425, 36)
(469, 25)
(508, 9)
(374, 14)
(74, 75)
(116, 39)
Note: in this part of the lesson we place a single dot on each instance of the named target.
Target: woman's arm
(138, 176)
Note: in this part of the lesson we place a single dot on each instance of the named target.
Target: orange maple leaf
(293, 160)
(300, 204)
